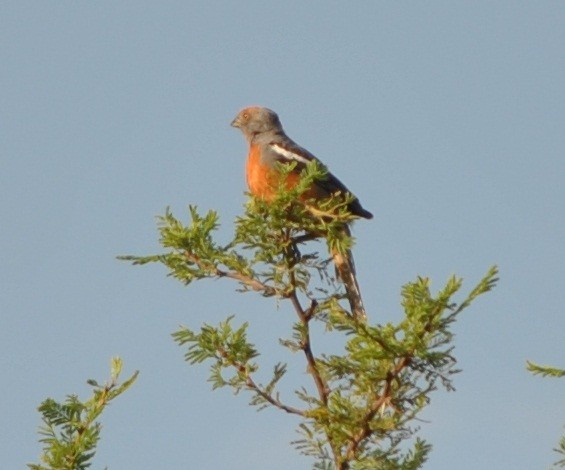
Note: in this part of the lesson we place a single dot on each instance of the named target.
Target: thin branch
(321, 385)
(250, 383)
(311, 310)
(332, 214)
(272, 400)
(305, 317)
(380, 403)
(248, 281)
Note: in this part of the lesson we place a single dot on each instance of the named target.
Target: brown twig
(248, 281)
(379, 403)
(272, 400)
(305, 317)
(321, 385)
(257, 389)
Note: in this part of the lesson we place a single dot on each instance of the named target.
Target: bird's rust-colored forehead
(251, 110)
(256, 119)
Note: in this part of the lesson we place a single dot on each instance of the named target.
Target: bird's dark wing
(287, 151)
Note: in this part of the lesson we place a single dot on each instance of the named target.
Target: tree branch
(380, 402)
(305, 317)
(272, 400)
(250, 383)
(248, 281)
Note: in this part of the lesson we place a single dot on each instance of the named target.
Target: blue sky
(446, 118)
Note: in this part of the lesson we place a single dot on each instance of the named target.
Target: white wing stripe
(288, 154)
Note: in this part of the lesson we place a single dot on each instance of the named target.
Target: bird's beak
(236, 122)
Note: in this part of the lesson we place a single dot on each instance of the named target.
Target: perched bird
(268, 144)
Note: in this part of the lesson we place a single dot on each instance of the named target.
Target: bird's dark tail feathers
(345, 268)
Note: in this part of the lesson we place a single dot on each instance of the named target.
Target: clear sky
(447, 119)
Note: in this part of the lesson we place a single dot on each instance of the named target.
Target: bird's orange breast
(263, 180)
(259, 176)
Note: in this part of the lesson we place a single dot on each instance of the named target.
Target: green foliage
(549, 371)
(561, 450)
(265, 234)
(70, 430)
(544, 371)
(360, 408)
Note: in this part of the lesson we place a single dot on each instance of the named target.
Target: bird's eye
(245, 115)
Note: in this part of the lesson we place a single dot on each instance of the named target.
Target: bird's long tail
(345, 268)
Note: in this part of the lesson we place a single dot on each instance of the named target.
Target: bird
(269, 145)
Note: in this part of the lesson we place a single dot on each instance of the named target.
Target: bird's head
(256, 120)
